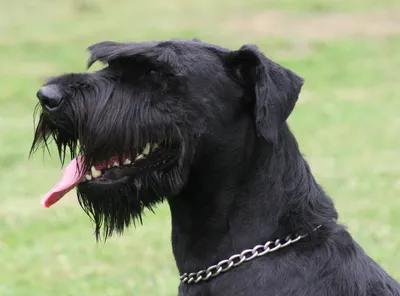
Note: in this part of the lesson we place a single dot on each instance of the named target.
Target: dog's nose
(50, 97)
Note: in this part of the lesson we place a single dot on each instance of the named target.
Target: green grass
(346, 122)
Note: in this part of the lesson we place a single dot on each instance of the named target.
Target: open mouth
(153, 156)
(117, 169)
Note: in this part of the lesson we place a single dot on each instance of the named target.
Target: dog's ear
(272, 88)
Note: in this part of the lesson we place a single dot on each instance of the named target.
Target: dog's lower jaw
(113, 213)
(114, 209)
(243, 205)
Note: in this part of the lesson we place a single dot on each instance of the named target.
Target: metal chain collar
(238, 259)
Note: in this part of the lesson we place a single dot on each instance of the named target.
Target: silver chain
(238, 259)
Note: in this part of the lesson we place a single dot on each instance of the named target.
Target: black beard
(114, 127)
(113, 210)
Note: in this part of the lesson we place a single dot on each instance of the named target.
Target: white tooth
(140, 156)
(146, 150)
(115, 164)
(127, 161)
(155, 146)
(88, 177)
(95, 173)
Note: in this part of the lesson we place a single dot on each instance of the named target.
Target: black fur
(234, 177)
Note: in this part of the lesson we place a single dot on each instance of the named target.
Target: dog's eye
(151, 72)
(146, 73)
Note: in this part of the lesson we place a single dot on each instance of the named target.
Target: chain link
(238, 259)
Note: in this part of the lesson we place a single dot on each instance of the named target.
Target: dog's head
(135, 127)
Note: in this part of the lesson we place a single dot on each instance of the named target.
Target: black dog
(204, 128)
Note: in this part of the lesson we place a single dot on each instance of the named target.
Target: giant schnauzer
(204, 128)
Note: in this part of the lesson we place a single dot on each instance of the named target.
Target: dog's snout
(50, 97)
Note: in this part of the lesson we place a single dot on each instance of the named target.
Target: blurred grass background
(347, 123)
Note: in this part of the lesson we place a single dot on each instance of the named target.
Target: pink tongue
(69, 180)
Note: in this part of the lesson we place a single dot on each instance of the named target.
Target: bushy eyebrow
(108, 51)
(161, 55)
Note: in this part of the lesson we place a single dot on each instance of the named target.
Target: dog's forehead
(175, 53)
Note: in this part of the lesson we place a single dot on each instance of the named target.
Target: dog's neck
(255, 192)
